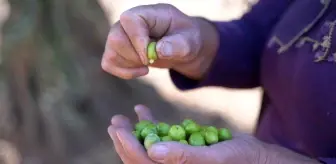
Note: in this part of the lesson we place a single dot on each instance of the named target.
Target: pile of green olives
(188, 132)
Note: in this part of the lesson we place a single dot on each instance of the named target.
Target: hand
(185, 44)
(242, 149)
(126, 145)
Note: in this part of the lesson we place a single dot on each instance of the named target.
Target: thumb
(179, 47)
(174, 152)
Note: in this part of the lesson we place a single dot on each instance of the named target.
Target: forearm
(237, 59)
(280, 155)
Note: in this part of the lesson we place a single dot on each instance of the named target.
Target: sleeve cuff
(182, 82)
(328, 160)
(227, 70)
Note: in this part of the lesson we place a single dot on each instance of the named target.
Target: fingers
(132, 147)
(174, 152)
(118, 41)
(143, 113)
(118, 66)
(124, 73)
(121, 121)
(126, 145)
(141, 23)
(125, 54)
(117, 144)
(120, 58)
(180, 46)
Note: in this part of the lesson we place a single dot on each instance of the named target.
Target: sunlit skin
(187, 45)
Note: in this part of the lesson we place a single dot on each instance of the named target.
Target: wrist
(198, 67)
(280, 155)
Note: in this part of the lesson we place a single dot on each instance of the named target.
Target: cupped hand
(131, 151)
(126, 145)
(242, 149)
(182, 42)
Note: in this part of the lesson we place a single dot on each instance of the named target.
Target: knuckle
(127, 15)
(186, 49)
(187, 52)
(111, 58)
(116, 39)
(165, 5)
(196, 40)
(168, 7)
(127, 76)
(105, 65)
(183, 158)
(115, 119)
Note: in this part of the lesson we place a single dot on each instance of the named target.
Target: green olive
(152, 126)
(177, 133)
(148, 130)
(203, 131)
(163, 129)
(184, 142)
(186, 122)
(151, 52)
(142, 124)
(224, 134)
(196, 139)
(212, 128)
(150, 140)
(166, 138)
(192, 128)
(211, 137)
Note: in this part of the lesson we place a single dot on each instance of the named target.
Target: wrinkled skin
(242, 149)
(182, 41)
(187, 45)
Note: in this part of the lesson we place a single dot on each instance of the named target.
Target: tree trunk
(43, 45)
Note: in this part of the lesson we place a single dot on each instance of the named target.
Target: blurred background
(55, 100)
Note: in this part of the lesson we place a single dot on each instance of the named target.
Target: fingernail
(158, 152)
(165, 48)
(138, 108)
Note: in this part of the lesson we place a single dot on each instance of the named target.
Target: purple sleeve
(237, 63)
(328, 160)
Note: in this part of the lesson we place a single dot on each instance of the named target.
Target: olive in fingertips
(151, 52)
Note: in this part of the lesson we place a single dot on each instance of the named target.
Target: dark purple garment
(287, 47)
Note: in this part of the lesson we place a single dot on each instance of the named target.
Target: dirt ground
(237, 109)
